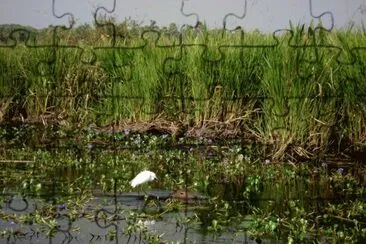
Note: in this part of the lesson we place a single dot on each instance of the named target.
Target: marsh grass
(297, 86)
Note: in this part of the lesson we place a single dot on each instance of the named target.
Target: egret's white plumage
(143, 177)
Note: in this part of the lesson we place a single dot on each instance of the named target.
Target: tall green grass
(297, 87)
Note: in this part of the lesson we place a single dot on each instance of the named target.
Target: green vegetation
(243, 192)
(296, 87)
(73, 104)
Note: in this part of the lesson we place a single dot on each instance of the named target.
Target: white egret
(143, 177)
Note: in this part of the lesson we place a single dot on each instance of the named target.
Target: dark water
(107, 213)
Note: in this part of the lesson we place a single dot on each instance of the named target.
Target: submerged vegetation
(268, 128)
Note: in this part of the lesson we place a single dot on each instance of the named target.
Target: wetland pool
(78, 191)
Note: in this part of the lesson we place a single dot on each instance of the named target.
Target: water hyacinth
(240, 157)
(23, 126)
(340, 171)
(324, 164)
(62, 207)
(126, 132)
(137, 140)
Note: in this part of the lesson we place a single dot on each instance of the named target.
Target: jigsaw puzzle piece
(326, 18)
(51, 43)
(273, 15)
(313, 51)
(197, 35)
(64, 21)
(39, 16)
(63, 38)
(352, 67)
(313, 45)
(9, 38)
(151, 55)
(349, 35)
(39, 44)
(118, 52)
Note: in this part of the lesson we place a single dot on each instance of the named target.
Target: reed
(299, 86)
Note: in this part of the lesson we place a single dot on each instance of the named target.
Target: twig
(347, 220)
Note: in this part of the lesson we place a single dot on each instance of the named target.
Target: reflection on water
(135, 216)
